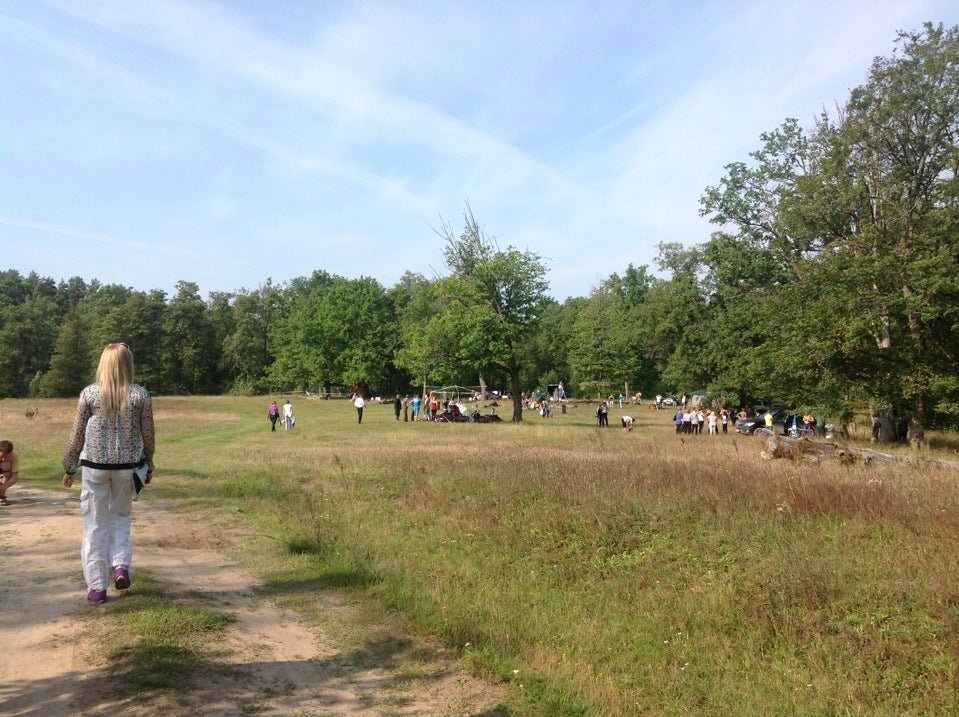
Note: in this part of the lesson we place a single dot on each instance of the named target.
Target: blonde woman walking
(112, 435)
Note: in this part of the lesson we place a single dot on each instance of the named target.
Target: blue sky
(222, 143)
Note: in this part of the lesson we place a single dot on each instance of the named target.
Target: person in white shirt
(288, 415)
(627, 422)
(360, 404)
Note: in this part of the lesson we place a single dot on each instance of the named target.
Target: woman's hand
(68, 480)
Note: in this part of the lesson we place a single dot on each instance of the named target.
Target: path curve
(273, 664)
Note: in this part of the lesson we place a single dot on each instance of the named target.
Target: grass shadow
(322, 580)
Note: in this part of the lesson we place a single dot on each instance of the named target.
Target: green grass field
(596, 572)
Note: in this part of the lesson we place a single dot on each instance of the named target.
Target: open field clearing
(589, 571)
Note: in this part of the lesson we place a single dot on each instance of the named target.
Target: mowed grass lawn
(597, 572)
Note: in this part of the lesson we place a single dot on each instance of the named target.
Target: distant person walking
(397, 406)
(112, 435)
(415, 406)
(406, 409)
(273, 413)
(288, 420)
(359, 404)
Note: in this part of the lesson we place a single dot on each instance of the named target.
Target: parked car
(760, 404)
(669, 401)
(749, 425)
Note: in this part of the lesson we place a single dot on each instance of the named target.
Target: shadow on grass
(947, 443)
(187, 472)
(151, 667)
(175, 681)
(335, 579)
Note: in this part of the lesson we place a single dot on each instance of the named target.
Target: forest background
(831, 282)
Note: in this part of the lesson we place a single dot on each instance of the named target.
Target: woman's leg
(97, 526)
(121, 508)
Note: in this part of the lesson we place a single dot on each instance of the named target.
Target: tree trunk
(482, 382)
(887, 427)
(918, 423)
(516, 393)
(779, 446)
(917, 426)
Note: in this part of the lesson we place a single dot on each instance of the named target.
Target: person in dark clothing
(602, 414)
(397, 406)
(902, 430)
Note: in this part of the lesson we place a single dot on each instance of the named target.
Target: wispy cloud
(73, 233)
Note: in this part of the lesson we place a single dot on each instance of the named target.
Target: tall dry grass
(600, 572)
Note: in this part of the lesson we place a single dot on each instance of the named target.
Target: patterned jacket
(100, 442)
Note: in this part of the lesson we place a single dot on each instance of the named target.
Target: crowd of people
(693, 420)
(689, 418)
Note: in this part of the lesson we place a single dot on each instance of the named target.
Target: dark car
(748, 426)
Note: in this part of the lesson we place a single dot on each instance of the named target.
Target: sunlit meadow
(597, 572)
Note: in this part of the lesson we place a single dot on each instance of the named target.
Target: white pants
(106, 501)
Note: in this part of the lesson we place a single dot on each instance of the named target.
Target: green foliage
(188, 352)
(344, 332)
(847, 228)
(484, 311)
(610, 342)
(605, 354)
(247, 353)
(67, 376)
(27, 334)
(549, 349)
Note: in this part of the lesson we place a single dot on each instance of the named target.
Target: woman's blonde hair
(114, 376)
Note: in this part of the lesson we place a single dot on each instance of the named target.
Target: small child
(9, 469)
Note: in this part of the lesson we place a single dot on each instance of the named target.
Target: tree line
(832, 281)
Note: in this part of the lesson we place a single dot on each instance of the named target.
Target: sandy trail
(270, 662)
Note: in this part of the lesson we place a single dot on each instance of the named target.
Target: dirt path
(269, 662)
